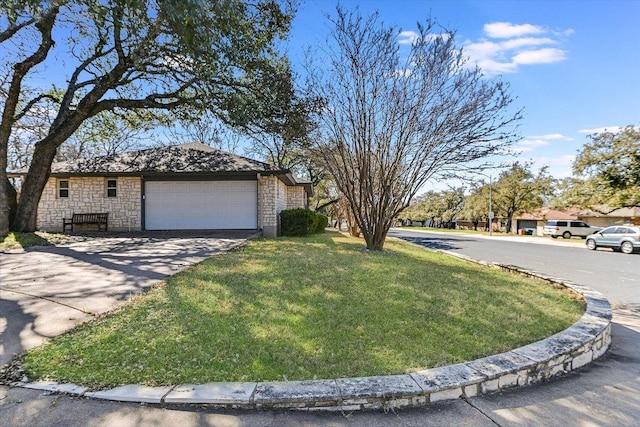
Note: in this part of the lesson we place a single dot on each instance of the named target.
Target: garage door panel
(193, 205)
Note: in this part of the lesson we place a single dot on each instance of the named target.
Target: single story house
(181, 187)
(536, 220)
(615, 217)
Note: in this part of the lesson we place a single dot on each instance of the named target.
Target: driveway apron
(50, 289)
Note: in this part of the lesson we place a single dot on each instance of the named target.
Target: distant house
(536, 219)
(614, 217)
(181, 187)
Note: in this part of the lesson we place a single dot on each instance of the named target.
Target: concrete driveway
(49, 289)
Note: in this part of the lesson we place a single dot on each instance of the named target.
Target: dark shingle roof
(193, 157)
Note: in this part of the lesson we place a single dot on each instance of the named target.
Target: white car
(568, 228)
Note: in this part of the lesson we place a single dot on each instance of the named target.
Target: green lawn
(304, 308)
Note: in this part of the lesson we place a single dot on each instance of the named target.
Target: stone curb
(584, 341)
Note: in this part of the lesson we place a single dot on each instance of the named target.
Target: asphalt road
(616, 275)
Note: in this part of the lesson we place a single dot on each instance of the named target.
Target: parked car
(568, 228)
(624, 238)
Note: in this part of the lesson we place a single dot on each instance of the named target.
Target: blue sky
(574, 66)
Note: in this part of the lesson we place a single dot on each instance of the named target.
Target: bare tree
(394, 119)
(123, 55)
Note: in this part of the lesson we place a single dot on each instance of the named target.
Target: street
(614, 274)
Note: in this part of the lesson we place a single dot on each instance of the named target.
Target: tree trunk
(7, 198)
(376, 235)
(27, 211)
(5, 207)
(509, 219)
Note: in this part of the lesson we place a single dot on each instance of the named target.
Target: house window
(112, 188)
(63, 188)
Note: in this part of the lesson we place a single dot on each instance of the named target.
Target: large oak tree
(610, 168)
(219, 55)
(395, 119)
(519, 189)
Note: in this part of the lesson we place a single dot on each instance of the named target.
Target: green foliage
(302, 222)
(476, 205)
(519, 189)
(607, 171)
(320, 223)
(441, 207)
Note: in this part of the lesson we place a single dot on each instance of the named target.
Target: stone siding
(296, 197)
(266, 202)
(272, 199)
(87, 195)
(281, 198)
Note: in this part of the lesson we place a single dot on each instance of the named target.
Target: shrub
(302, 222)
(321, 222)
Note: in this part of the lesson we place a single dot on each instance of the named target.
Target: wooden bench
(86, 218)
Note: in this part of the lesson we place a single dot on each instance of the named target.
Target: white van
(568, 228)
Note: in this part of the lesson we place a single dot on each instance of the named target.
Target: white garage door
(201, 205)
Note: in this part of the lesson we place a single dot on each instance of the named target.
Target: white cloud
(528, 145)
(401, 73)
(540, 56)
(565, 160)
(526, 41)
(493, 67)
(516, 45)
(612, 129)
(483, 50)
(407, 37)
(559, 167)
(410, 37)
(534, 142)
(551, 136)
(521, 149)
(505, 30)
(568, 32)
